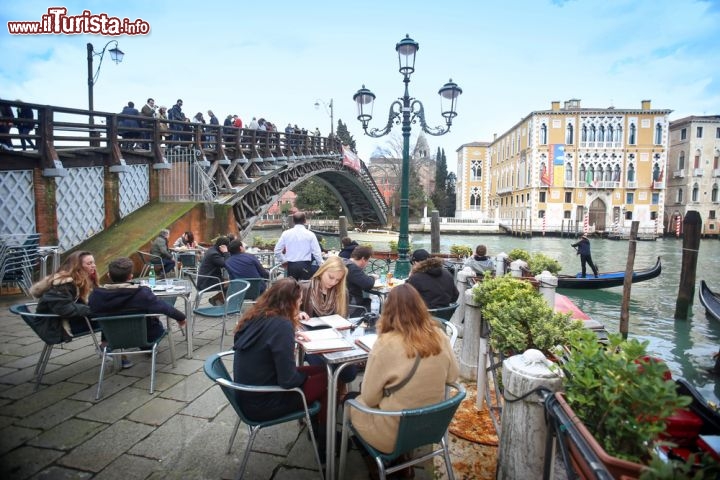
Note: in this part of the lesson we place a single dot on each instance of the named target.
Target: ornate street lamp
(332, 113)
(115, 54)
(406, 111)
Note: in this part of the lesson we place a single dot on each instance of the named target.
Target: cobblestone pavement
(181, 431)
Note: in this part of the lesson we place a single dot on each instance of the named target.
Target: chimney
(646, 105)
(555, 106)
(494, 137)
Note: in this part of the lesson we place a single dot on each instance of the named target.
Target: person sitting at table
(480, 262)
(264, 346)
(326, 294)
(160, 249)
(432, 280)
(121, 296)
(409, 344)
(65, 293)
(348, 245)
(358, 281)
(244, 265)
(186, 240)
(211, 267)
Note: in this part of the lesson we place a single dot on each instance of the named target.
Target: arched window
(593, 133)
(633, 134)
(658, 134)
(608, 174)
(681, 160)
(656, 173)
(631, 173)
(475, 199)
(680, 195)
(697, 159)
(568, 172)
(610, 133)
(569, 134)
(695, 192)
(543, 134)
(581, 173)
(476, 170)
(714, 193)
(584, 134)
(616, 173)
(617, 138)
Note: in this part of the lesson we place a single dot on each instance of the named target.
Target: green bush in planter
(461, 250)
(518, 254)
(622, 401)
(540, 262)
(520, 317)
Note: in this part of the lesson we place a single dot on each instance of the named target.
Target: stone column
(500, 264)
(548, 283)
(342, 227)
(522, 444)
(471, 338)
(461, 281)
(435, 232)
(516, 268)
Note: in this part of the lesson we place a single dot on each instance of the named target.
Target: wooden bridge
(167, 160)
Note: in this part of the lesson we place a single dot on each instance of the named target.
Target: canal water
(687, 346)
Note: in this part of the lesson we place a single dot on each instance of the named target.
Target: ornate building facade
(694, 171)
(600, 168)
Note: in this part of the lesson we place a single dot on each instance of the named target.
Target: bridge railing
(54, 129)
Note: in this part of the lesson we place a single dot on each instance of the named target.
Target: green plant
(393, 246)
(519, 316)
(620, 394)
(461, 250)
(518, 254)
(264, 243)
(698, 467)
(540, 262)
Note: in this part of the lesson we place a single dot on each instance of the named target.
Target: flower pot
(617, 467)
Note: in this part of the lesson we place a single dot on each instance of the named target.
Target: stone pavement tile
(184, 366)
(54, 414)
(23, 462)
(207, 405)
(96, 453)
(157, 411)
(8, 358)
(111, 409)
(24, 375)
(18, 391)
(13, 436)
(132, 467)
(42, 399)
(189, 389)
(22, 350)
(6, 371)
(112, 384)
(68, 434)
(163, 381)
(5, 421)
(171, 439)
(84, 371)
(60, 473)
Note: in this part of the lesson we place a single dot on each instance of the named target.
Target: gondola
(608, 279)
(710, 300)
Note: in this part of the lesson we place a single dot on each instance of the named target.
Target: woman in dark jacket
(432, 280)
(348, 245)
(65, 292)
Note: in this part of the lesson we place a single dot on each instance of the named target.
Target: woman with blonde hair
(325, 293)
(65, 292)
(410, 346)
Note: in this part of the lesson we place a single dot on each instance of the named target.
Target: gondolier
(297, 248)
(583, 249)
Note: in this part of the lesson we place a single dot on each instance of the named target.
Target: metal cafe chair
(216, 371)
(233, 292)
(124, 332)
(445, 313)
(150, 261)
(418, 427)
(39, 322)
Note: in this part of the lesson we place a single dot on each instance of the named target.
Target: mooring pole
(342, 227)
(692, 227)
(435, 232)
(627, 282)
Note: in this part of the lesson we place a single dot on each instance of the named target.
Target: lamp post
(405, 111)
(332, 113)
(115, 54)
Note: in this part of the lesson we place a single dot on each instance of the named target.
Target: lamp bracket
(418, 114)
(394, 114)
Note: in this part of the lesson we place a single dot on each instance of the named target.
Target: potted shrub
(622, 397)
(461, 251)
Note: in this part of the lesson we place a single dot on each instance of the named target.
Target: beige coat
(387, 366)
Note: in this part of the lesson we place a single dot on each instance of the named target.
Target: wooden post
(342, 227)
(627, 283)
(692, 227)
(435, 232)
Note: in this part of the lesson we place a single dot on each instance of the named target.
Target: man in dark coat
(348, 245)
(583, 249)
(357, 280)
(211, 267)
(429, 277)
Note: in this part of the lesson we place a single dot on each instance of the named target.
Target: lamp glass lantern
(406, 50)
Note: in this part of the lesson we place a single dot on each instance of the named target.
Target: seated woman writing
(406, 334)
(265, 355)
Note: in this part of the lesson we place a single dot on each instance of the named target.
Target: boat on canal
(371, 235)
(710, 300)
(608, 279)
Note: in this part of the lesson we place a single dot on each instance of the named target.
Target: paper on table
(325, 340)
(367, 341)
(334, 321)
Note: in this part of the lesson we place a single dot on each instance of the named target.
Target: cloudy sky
(277, 59)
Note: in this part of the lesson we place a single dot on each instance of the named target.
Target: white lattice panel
(134, 189)
(17, 216)
(80, 205)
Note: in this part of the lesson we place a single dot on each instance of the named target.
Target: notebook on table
(367, 341)
(325, 340)
(333, 321)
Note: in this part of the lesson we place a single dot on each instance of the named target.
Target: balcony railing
(631, 184)
(679, 174)
(658, 185)
(698, 172)
(569, 184)
(716, 172)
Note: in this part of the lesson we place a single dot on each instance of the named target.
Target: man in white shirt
(297, 248)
